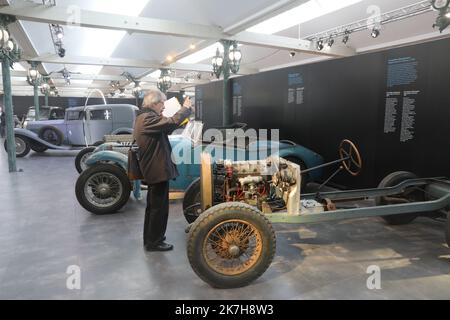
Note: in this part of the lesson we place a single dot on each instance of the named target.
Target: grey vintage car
(81, 126)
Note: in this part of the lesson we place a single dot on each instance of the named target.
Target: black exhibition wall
(393, 104)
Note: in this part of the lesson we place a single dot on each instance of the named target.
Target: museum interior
(225, 150)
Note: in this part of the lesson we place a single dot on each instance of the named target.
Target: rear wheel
(103, 189)
(231, 245)
(192, 202)
(80, 159)
(409, 195)
(51, 135)
(22, 146)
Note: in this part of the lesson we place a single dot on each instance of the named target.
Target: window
(74, 115)
(56, 114)
(100, 114)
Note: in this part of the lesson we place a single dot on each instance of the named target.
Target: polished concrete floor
(43, 230)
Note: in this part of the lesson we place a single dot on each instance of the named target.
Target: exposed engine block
(270, 185)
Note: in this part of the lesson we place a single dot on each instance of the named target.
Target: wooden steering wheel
(350, 157)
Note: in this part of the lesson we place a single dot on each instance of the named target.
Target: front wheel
(22, 146)
(103, 189)
(231, 245)
(80, 159)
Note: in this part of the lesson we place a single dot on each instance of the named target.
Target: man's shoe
(162, 246)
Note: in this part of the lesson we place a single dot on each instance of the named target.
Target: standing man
(150, 131)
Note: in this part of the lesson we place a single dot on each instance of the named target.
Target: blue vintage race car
(103, 185)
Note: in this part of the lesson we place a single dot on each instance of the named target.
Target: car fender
(111, 156)
(122, 130)
(33, 137)
(107, 146)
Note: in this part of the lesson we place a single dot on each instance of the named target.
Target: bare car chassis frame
(231, 244)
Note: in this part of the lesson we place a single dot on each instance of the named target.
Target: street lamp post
(34, 79)
(225, 65)
(137, 92)
(9, 53)
(45, 88)
(164, 81)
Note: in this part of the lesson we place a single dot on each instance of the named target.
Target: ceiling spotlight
(375, 33)
(330, 42)
(192, 46)
(346, 37)
(292, 54)
(320, 45)
(169, 58)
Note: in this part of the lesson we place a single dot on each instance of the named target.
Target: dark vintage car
(45, 113)
(81, 126)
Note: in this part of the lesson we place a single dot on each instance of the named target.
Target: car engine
(270, 185)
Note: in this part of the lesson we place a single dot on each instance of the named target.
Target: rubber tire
(447, 230)
(80, 155)
(27, 147)
(392, 180)
(305, 178)
(115, 170)
(57, 133)
(191, 196)
(98, 143)
(39, 148)
(208, 220)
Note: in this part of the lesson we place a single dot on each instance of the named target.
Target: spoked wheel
(80, 159)
(231, 245)
(22, 146)
(103, 189)
(192, 202)
(409, 195)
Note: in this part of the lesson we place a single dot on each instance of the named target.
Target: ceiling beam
(132, 63)
(291, 44)
(92, 19)
(268, 12)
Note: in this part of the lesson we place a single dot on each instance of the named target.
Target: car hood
(41, 123)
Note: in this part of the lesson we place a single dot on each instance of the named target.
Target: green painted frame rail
(440, 201)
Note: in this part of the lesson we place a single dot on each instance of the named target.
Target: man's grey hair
(153, 96)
